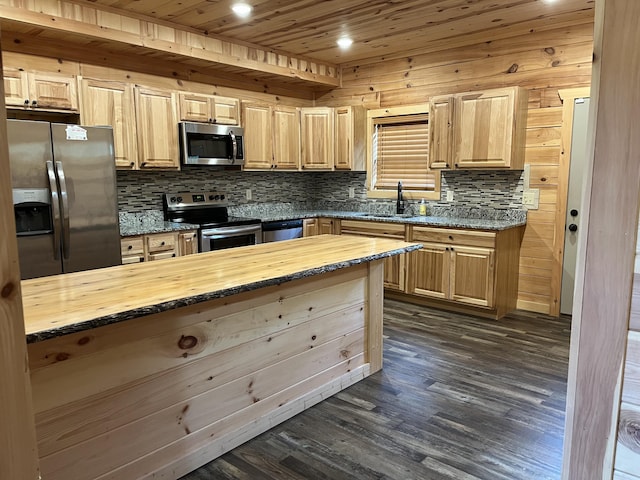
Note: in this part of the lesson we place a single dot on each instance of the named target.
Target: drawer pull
(130, 247)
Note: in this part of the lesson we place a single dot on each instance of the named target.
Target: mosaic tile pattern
(140, 191)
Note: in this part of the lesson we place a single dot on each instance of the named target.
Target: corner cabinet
(317, 138)
(157, 128)
(111, 103)
(394, 267)
(478, 130)
(196, 107)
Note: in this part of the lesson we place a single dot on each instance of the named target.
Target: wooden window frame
(372, 121)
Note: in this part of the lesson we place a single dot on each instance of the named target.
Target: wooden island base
(160, 395)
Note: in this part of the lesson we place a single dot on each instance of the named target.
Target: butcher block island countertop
(151, 370)
(68, 303)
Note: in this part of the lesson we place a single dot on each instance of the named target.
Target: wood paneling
(18, 451)
(605, 270)
(564, 61)
(161, 394)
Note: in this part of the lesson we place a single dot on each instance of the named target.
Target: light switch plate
(352, 192)
(249, 195)
(531, 198)
(449, 195)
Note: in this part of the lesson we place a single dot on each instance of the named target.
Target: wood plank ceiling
(379, 28)
(283, 45)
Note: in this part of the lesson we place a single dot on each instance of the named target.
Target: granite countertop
(74, 302)
(152, 221)
(435, 221)
(132, 224)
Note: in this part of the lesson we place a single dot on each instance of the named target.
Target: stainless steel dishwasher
(281, 230)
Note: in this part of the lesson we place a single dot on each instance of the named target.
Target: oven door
(219, 238)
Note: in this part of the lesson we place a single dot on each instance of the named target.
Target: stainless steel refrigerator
(64, 197)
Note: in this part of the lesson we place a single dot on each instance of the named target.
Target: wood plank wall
(542, 62)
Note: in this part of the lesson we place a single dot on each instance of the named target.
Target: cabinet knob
(130, 247)
(275, 166)
(573, 227)
(456, 165)
(143, 164)
(162, 244)
(26, 101)
(34, 103)
(450, 237)
(446, 165)
(574, 212)
(132, 164)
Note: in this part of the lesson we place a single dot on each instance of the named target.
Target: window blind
(401, 153)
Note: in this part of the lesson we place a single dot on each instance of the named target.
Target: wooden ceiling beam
(92, 24)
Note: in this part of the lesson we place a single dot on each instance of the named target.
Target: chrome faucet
(400, 200)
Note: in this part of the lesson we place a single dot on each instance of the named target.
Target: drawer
(161, 256)
(372, 229)
(129, 259)
(161, 242)
(473, 238)
(131, 246)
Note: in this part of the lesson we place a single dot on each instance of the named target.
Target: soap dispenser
(423, 208)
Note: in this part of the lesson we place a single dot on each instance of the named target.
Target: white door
(574, 197)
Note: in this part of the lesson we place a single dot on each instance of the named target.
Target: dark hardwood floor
(459, 398)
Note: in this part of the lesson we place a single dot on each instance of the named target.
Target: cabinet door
(111, 103)
(286, 138)
(326, 226)
(351, 138)
(195, 108)
(309, 227)
(16, 87)
(187, 243)
(157, 128)
(317, 137)
(472, 279)
(429, 271)
(226, 111)
(441, 132)
(344, 136)
(50, 90)
(483, 129)
(394, 272)
(258, 153)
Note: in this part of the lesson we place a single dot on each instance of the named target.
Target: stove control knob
(172, 199)
(179, 199)
(221, 197)
(211, 197)
(217, 197)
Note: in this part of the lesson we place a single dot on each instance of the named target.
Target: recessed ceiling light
(344, 42)
(242, 9)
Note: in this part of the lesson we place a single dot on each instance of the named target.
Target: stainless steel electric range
(217, 230)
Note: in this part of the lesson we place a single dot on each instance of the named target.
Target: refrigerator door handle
(66, 239)
(55, 206)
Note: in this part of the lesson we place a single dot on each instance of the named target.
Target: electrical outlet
(352, 192)
(449, 195)
(249, 195)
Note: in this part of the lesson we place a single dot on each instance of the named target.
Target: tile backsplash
(140, 191)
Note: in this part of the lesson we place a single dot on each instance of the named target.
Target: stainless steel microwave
(208, 144)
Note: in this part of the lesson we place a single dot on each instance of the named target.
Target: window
(399, 152)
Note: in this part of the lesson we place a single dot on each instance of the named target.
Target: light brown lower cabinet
(320, 226)
(158, 246)
(394, 267)
(465, 268)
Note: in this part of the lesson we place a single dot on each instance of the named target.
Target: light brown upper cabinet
(40, 90)
(317, 133)
(111, 103)
(157, 128)
(351, 141)
(272, 137)
(481, 130)
(196, 107)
